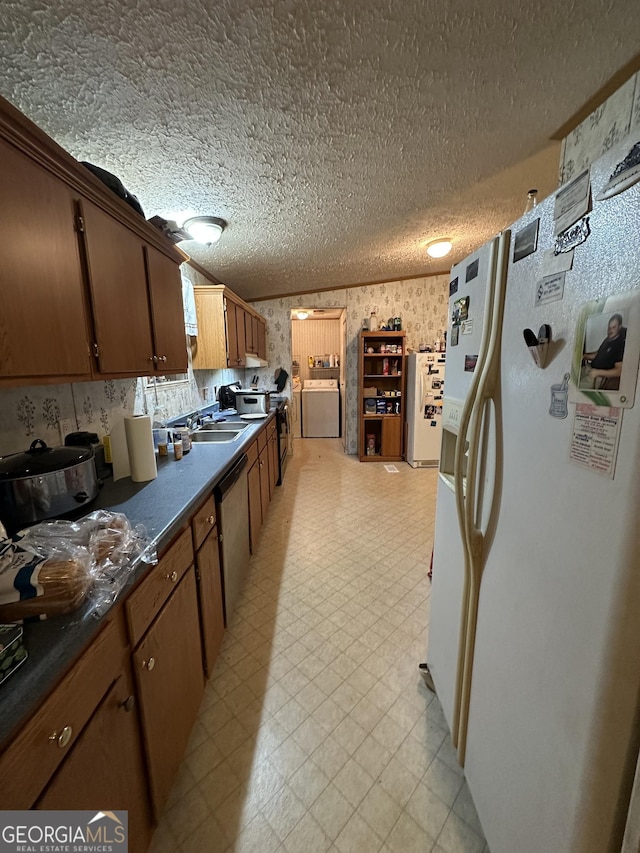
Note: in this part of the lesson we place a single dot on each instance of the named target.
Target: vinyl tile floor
(316, 732)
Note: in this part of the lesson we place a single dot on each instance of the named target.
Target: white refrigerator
(425, 391)
(534, 639)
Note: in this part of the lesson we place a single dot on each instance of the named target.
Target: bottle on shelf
(532, 200)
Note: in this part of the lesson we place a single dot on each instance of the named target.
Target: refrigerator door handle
(474, 541)
(464, 494)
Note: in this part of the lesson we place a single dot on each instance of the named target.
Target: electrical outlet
(65, 425)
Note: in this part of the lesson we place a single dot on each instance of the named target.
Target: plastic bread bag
(113, 549)
(35, 587)
(117, 547)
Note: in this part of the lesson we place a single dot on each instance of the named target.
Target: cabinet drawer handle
(129, 703)
(162, 358)
(212, 520)
(173, 577)
(62, 737)
(148, 664)
(153, 358)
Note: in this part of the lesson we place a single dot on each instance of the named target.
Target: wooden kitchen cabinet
(227, 329)
(262, 458)
(209, 579)
(262, 339)
(263, 464)
(42, 322)
(136, 296)
(167, 313)
(272, 450)
(252, 333)
(119, 294)
(237, 341)
(90, 289)
(255, 494)
(164, 629)
(209, 349)
(168, 672)
(105, 767)
(82, 749)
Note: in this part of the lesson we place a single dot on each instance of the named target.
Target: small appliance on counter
(45, 482)
(249, 402)
(227, 395)
(83, 438)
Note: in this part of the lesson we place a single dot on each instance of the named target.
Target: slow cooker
(45, 482)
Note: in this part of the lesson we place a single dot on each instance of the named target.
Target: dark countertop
(163, 506)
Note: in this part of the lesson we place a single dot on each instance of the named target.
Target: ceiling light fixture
(439, 248)
(205, 229)
(302, 315)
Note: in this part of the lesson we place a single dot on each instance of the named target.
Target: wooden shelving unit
(381, 413)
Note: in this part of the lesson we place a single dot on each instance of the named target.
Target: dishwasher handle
(222, 489)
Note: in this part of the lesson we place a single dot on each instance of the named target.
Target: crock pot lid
(41, 459)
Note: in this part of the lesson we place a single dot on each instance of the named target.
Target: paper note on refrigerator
(595, 438)
(572, 202)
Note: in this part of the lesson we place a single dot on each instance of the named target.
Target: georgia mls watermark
(64, 832)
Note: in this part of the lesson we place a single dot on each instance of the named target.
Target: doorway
(318, 347)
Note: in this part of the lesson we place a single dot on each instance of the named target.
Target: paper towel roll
(142, 457)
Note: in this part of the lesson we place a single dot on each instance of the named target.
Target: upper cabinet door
(262, 339)
(248, 332)
(242, 344)
(42, 321)
(232, 312)
(119, 296)
(167, 313)
(254, 333)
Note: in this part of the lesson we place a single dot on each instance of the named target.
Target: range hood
(252, 360)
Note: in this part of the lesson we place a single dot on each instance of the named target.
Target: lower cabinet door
(265, 486)
(168, 672)
(210, 597)
(391, 437)
(105, 769)
(255, 504)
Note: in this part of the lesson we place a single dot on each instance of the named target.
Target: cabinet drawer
(144, 604)
(203, 522)
(31, 759)
(252, 453)
(262, 440)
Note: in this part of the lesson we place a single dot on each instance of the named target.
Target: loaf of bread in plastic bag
(62, 586)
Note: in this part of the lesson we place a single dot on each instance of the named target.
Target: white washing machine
(321, 408)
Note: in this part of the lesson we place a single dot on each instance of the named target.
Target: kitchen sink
(218, 435)
(222, 426)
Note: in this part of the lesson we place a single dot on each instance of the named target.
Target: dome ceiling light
(302, 315)
(205, 229)
(439, 248)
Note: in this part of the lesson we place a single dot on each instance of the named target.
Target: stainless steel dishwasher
(232, 507)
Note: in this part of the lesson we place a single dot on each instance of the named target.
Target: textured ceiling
(335, 138)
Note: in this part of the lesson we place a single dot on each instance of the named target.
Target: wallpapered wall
(618, 116)
(34, 411)
(421, 303)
